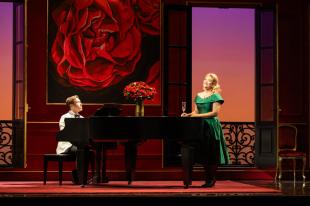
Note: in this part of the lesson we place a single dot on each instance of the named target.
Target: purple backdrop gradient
(223, 42)
(6, 68)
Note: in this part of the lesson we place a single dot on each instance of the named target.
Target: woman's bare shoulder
(201, 94)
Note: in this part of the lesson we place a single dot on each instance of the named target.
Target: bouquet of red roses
(139, 91)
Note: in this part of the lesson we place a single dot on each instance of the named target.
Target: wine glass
(183, 106)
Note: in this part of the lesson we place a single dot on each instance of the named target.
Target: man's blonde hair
(71, 100)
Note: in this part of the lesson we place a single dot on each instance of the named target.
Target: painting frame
(56, 92)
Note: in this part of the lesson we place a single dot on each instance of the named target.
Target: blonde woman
(213, 148)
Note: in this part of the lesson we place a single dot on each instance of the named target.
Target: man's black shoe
(209, 183)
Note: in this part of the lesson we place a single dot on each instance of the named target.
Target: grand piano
(188, 131)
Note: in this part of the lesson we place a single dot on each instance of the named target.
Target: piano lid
(109, 109)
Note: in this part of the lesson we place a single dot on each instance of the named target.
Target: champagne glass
(183, 106)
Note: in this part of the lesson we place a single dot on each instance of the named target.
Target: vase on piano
(139, 108)
(138, 92)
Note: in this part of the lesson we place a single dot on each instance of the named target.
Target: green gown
(214, 132)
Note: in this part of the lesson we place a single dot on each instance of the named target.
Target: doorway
(239, 45)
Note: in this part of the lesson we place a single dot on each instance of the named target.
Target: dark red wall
(43, 119)
(293, 24)
(293, 84)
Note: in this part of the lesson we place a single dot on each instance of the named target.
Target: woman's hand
(195, 115)
(185, 114)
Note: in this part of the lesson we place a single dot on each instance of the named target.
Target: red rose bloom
(139, 91)
(153, 80)
(148, 15)
(97, 43)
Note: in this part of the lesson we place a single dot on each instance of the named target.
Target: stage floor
(136, 188)
(148, 192)
(152, 187)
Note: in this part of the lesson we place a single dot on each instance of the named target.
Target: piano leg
(98, 162)
(104, 177)
(187, 163)
(82, 165)
(130, 159)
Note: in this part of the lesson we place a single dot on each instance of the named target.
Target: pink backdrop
(224, 43)
(6, 22)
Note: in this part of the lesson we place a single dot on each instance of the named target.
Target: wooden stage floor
(154, 193)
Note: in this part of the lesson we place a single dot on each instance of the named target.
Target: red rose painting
(95, 47)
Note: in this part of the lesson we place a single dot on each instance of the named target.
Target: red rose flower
(97, 43)
(148, 15)
(139, 91)
(153, 80)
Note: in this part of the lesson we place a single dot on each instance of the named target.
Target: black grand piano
(132, 130)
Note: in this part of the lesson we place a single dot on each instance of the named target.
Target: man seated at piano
(64, 147)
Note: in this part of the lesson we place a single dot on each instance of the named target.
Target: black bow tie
(77, 116)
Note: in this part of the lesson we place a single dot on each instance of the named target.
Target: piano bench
(60, 158)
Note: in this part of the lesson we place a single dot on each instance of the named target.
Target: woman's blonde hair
(215, 82)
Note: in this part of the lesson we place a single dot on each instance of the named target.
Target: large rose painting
(97, 47)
